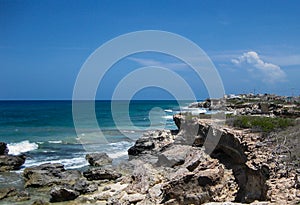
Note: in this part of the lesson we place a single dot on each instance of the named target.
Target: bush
(265, 124)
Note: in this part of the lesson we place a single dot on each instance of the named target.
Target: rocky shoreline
(171, 167)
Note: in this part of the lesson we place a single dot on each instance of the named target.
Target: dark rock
(49, 174)
(151, 141)
(3, 148)
(98, 159)
(141, 145)
(101, 174)
(10, 162)
(209, 176)
(40, 202)
(83, 186)
(58, 194)
(177, 120)
(7, 192)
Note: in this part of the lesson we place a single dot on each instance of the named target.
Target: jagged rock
(50, 174)
(83, 187)
(132, 198)
(58, 194)
(173, 155)
(101, 174)
(98, 159)
(151, 141)
(3, 148)
(7, 192)
(144, 176)
(209, 176)
(10, 162)
(141, 145)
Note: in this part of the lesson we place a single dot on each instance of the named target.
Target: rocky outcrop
(83, 186)
(59, 194)
(150, 142)
(10, 162)
(98, 159)
(14, 194)
(3, 148)
(101, 174)
(231, 164)
(50, 174)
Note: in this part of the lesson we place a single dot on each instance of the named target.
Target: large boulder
(83, 186)
(59, 194)
(98, 159)
(173, 155)
(3, 148)
(101, 174)
(50, 174)
(10, 162)
(151, 141)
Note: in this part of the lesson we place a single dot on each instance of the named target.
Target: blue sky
(43, 44)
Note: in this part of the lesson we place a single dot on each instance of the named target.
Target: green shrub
(265, 124)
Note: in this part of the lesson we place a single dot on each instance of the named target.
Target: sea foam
(21, 147)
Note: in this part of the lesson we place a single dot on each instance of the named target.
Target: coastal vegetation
(260, 123)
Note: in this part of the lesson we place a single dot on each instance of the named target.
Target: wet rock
(50, 174)
(3, 148)
(7, 192)
(58, 194)
(98, 159)
(101, 174)
(10, 162)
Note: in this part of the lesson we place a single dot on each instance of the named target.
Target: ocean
(44, 130)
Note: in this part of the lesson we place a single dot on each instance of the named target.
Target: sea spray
(21, 147)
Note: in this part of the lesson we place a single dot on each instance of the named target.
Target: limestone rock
(59, 194)
(98, 159)
(151, 141)
(173, 155)
(101, 174)
(10, 162)
(50, 174)
(83, 186)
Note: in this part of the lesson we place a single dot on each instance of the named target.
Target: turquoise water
(44, 130)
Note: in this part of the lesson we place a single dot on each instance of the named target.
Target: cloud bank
(268, 72)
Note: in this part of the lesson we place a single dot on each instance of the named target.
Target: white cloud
(269, 72)
(150, 62)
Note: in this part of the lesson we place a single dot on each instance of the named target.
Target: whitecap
(21, 147)
(168, 117)
(117, 154)
(71, 163)
(168, 110)
(55, 142)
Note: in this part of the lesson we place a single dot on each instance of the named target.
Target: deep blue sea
(44, 130)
